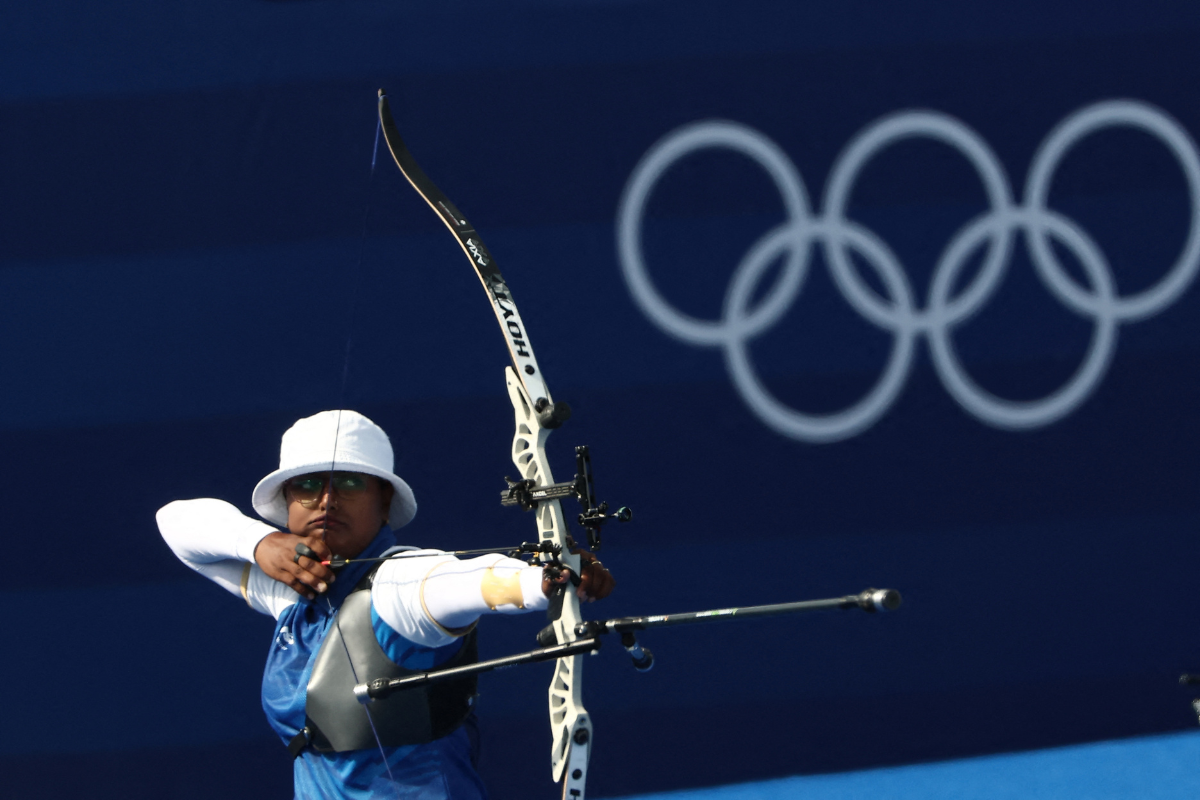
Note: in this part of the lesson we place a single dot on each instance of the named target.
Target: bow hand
(592, 582)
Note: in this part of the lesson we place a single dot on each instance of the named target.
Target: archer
(351, 605)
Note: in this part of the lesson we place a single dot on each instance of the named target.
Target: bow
(536, 415)
(568, 637)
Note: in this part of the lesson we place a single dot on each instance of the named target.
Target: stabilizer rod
(870, 600)
(382, 687)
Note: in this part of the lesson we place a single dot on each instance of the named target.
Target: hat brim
(268, 498)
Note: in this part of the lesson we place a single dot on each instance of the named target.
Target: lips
(325, 522)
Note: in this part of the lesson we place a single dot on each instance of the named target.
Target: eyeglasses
(307, 490)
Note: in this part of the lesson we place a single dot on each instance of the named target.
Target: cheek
(297, 516)
(369, 516)
(375, 511)
(374, 504)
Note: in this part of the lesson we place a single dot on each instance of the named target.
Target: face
(347, 511)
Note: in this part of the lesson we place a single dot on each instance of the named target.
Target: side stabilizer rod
(382, 687)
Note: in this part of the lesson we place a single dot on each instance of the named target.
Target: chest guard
(337, 722)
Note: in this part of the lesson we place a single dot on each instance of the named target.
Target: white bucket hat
(333, 440)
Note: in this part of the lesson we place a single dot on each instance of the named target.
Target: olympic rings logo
(899, 313)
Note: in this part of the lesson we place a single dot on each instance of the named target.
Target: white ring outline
(674, 146)
(1114, 113)
(1015, 414)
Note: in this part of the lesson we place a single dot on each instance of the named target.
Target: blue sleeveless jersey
(440, 769)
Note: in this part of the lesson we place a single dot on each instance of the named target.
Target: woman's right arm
(218, 541)
(208, 531)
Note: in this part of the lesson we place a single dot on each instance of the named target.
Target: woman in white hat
(336, 495)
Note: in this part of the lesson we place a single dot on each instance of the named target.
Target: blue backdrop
(194, 248)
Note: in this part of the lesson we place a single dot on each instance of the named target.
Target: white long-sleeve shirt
(427, 596)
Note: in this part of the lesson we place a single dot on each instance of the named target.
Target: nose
(328, 498)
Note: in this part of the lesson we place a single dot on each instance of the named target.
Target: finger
(295, 585)
(317, 569)
(593, 593)
(304, 576)
(318, 546)
(300, 588)
(597, 583)
(607, 581)
(548, 586)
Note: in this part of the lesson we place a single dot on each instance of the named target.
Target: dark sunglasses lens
(306, 486)
(349, 483)
(306, 489)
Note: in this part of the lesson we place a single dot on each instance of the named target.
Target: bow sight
(527, 494)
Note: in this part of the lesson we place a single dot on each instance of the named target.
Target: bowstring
(342, 393)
